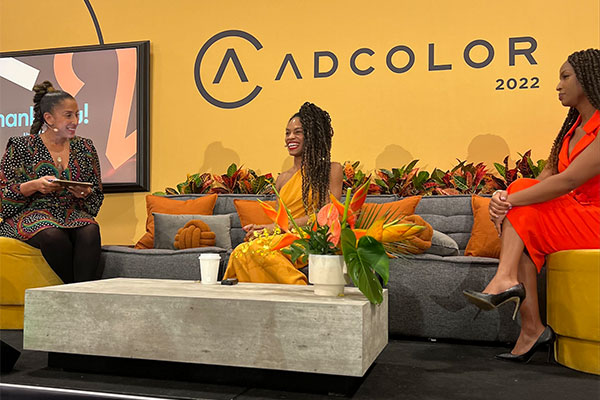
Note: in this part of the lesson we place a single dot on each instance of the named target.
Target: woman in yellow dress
(304, 189)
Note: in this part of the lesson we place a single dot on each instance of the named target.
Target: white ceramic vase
(327, 273)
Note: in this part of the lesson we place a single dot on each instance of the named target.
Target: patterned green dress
(27, 158)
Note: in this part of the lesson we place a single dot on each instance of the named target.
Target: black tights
(72, 253)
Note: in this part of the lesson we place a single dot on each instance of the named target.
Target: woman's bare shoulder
(284, 177)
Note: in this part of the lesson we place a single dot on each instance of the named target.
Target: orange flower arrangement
(334, 231)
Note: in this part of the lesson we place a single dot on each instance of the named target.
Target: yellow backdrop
(439, 109)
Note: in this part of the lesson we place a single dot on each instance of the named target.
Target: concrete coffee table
(267, 326)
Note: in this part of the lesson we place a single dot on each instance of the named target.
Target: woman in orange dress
(558, 211)
(304, 189)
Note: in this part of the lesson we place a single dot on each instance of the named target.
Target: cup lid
(210, 256)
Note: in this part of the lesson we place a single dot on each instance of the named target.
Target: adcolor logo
(523, 46)
(229, 55)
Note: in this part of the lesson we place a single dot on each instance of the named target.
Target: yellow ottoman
(21, 267)
(573, 307)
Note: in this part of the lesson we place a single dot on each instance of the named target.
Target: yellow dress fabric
(254, 261)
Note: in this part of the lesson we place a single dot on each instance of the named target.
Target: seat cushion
(573, 307)
(23, 267)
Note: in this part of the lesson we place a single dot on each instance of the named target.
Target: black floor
(405, 370)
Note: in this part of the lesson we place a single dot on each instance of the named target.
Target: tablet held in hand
(67, 183)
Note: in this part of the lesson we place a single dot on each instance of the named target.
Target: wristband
(497, 191)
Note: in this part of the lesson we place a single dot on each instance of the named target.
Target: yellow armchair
(21, 267)
(573, 307)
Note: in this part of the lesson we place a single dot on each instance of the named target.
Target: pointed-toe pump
(546, 338)
(486, 301)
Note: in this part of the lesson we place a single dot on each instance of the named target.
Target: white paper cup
(209, 268)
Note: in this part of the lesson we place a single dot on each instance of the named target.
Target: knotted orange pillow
(195, 233)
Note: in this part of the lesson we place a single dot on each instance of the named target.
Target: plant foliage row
(408, 180)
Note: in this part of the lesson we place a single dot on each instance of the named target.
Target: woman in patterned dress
(56, 219)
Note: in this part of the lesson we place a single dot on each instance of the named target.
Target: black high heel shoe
(547, 337)
(488, 302)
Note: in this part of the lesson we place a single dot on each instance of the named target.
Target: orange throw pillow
(250, 212)
(203, 206)
(484, 240)
(396, 209)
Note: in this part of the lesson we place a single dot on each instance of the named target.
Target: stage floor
(406, 369)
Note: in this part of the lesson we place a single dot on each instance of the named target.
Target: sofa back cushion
(374, 210)
(168, 205)
(251, 212)
(225, 205)
(484, 241)
(451, 215)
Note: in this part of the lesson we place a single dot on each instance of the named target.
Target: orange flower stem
(300, 231)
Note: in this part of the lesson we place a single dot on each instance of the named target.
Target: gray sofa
(425, 291)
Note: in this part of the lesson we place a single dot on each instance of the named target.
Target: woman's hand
(251, 228)
(44, 185)
(498, 208)
(80, 191)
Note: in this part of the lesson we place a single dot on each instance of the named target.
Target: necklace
(60, 165)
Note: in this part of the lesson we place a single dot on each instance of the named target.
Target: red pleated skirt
(558, 224)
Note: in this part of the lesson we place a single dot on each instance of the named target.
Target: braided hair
(316, 155)
(44, 100)
(586, 64)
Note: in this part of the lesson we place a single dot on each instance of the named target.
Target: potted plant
(340, 236)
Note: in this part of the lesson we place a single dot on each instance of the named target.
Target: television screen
(111, 86)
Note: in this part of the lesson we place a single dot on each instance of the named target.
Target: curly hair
(44, 100)
(316, 155)
(586, 64)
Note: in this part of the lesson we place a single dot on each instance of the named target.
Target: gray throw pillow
(442, 245)
(167, 225)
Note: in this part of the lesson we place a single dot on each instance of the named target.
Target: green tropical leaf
(410, 166)
(348, 243)
(381, 183)
(369, 285)
(183, 186)
(531, 167)
(231, 170)
(460, 182)
(387, 172)
(438, 175)
(541, 164)
(372, 253)
(460, 165)
(297, 250)
(501, 169)
(358, 177)
(362, 260)
(420, 178)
